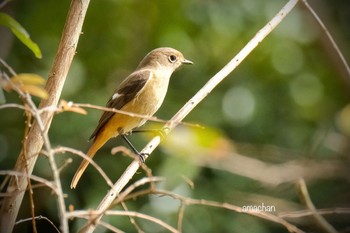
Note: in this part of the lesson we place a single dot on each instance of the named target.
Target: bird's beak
(188, 62)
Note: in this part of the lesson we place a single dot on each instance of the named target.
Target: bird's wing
(126, 92)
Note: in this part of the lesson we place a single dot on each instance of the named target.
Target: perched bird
(142, 92)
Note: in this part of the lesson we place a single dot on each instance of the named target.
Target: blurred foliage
(288, 101)
(20, 33)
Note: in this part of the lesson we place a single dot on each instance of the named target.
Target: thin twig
(9, 68)
(64, 164)
(320, 220)
(28, 104)
(30, 192)
(40, 217)
(63, 149)
(304, 213)
(186, 201)
(143, 216)
(84, 213)
(11, 105)
(52, 162)
(32, 177)
(126, 192)
(329, 36)
(110, 227)
(138, 183)
(180, 217)
(57, 109)
(228, 206)
(148, 118)
(191, 104)
(132, 219)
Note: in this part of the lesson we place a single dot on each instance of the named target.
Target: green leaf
(20, 33)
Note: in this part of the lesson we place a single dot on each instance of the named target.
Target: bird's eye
(172, 58)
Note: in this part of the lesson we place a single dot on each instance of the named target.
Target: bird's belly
(146, 103)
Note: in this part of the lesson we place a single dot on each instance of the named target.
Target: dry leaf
(68, 106)
(30, 83)
(34, 90)
(26, 78)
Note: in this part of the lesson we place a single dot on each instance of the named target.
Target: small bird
(142, 92)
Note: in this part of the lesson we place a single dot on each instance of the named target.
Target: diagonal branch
(188, 107)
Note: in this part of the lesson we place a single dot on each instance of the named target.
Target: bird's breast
(152, 95)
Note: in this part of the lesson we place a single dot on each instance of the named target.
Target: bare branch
(40, 217)
(143, 216)
(32, 177)
(88, 214)
(3, 106)
(132, 219)
(264, 215)
(110, 227)
(180, 217)
(63, 149)
(186, 201)
(58, 109)
(304, 213)
(321, 221)
(122, 196)
(329, 36)
(138, 183)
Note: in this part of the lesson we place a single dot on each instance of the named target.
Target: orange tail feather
(104, 134)
(98, 143)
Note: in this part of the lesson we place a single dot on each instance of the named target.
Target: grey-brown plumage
(142, 92)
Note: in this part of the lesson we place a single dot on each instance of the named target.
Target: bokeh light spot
(306, 90)
(238, 105)
(287, 57)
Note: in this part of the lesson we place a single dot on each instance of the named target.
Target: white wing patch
(115, 96)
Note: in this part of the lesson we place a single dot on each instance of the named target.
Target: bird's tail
(91, 153)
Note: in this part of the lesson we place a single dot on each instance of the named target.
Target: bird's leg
(142, 156)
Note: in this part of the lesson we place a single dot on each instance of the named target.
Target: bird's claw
(143, 156)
